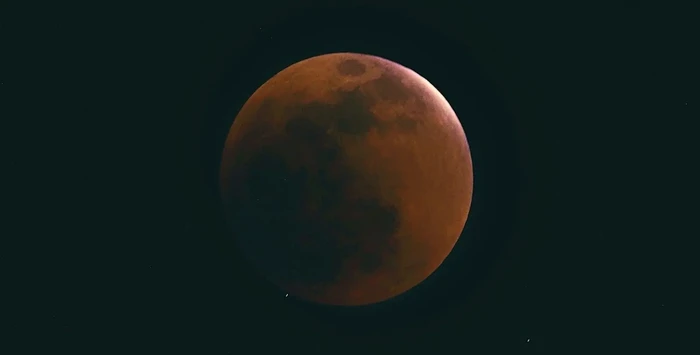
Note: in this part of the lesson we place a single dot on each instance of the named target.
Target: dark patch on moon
(352, 114)
(351, 67)
(405, 124)
(293, 208)
(369, 262)
(304, 127)
(390, 88)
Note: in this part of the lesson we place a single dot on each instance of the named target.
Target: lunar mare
(347, 179)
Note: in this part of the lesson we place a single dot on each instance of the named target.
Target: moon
(347, 179)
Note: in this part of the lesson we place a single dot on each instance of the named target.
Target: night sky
(553, 99)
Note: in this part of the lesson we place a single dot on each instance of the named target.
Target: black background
(566, 104)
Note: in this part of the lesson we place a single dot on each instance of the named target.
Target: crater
(391, 89)
(351, 67)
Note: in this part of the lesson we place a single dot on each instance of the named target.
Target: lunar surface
(347, 179)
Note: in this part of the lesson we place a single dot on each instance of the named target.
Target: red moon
(347, 179)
